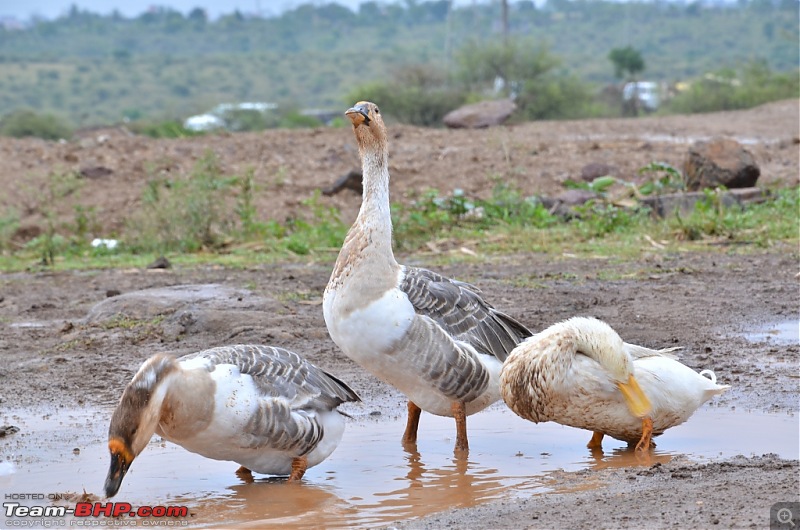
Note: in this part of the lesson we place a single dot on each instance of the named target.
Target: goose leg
(647, 434)
(299, 466)
(460, 415)
(410, 436)
(596, 442)
(245, 474)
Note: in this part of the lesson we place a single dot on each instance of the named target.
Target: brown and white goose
(435, 339)
(263, 407)
(580, 373)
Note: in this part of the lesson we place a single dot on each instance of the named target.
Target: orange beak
(637, 402)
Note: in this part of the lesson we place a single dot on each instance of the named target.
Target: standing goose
(433, 338)
(580, 373)
(265, 408)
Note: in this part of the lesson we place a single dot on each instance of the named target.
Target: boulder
(720, 162)
(352, 180)
(480, 115)
(591, 171)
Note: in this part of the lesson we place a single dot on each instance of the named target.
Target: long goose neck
(139, 411)
(598, 341)
(374, 217)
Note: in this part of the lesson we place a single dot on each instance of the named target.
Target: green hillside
(90, 69)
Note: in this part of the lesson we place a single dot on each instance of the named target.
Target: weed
(9, 222)
(49, 244)
(185, 215)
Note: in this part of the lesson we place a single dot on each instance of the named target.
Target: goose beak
(120, 462)
(637, 402)
(358, 114)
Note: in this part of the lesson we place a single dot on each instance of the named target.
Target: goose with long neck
(263, 407)
(580, 373)
(434, 339)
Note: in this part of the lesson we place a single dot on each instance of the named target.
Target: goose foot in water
(646, 442)
(596, 442)
(460, 415)
(299, 466)
(410, 436)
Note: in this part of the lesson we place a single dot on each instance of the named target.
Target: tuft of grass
(209, 217)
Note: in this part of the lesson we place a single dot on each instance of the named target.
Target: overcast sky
(23, 9)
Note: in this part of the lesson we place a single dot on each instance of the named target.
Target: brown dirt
(289, 166)
(53, 354)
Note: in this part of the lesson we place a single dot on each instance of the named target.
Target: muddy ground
(64, 343)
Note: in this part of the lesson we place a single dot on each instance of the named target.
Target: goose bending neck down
(435, 339)
(265, 408)
(580, 373)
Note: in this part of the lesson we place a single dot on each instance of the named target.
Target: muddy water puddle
(370, 479)
(780, 332)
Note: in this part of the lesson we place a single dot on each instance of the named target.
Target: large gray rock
(720, 162)
(203, 308)
(480, 115)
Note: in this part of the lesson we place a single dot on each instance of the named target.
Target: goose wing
(640, 352)
(279, 373)
(459, 308)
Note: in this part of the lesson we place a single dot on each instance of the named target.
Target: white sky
(24, 9)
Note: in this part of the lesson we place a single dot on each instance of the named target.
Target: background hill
(90, 69)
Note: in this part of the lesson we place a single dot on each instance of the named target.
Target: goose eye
(377, 110)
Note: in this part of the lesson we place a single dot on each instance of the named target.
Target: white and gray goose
(263, 407)
(435, 339)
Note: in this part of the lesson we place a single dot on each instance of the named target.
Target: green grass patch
(208, 217)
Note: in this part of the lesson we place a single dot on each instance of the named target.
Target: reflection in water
(459, 484)
(370, 479)
(626, 457)
(278, 502)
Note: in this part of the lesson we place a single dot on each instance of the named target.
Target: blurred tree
(628, 63)
(626, 59)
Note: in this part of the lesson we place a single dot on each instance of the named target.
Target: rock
(95, 172)
(6, 430)
(720, 162)
(480, 115)
(562, 204)
(575, 197)
(184, 309)
(666, 205)
(350, 181)
(591, 171)
(160, 263)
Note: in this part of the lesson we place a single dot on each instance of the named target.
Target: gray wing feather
(280, 373)
(459, 308)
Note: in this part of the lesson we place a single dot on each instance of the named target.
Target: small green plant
(50, 243)
(9, 222)
(670, 179)
(710, 217)
(187, 214)
(320, 229)
(597, 219)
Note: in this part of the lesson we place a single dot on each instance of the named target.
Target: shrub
(23, 123)
(417, 94)
(728, 89)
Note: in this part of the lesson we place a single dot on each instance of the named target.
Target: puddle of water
(370, 479)
(784, 332)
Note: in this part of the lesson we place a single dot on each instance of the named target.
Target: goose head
(368, 125)
(136, 418)
(598, 340)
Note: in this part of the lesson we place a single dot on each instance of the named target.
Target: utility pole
(504, 7)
